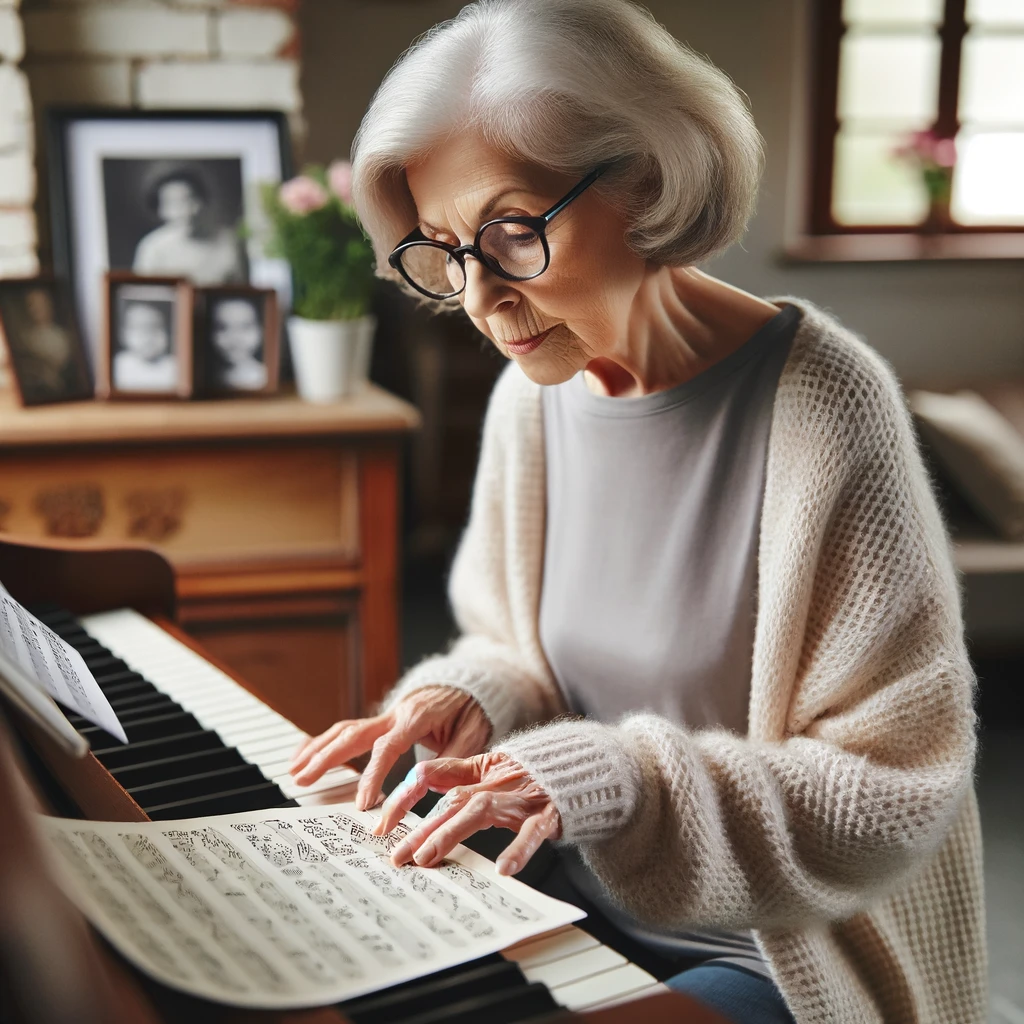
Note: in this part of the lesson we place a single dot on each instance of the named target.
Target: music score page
(288, 908)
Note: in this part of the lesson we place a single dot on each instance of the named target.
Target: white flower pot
(331, 357)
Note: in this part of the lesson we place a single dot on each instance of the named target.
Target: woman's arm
(497, 658)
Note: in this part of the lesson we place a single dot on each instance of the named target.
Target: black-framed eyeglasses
(514, 248)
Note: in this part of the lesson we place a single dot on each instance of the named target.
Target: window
(889, 68)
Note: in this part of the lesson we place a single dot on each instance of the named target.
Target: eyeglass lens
(516, 248)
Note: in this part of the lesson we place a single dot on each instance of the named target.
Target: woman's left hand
(487, 791)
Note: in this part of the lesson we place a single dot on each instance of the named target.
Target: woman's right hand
(447, 721)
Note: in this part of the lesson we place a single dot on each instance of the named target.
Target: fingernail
(508, 867)
(424, 855)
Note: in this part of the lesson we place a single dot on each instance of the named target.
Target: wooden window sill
(889, 248)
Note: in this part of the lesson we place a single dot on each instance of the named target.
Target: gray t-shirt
(650, 560)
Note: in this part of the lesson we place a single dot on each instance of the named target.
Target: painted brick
(17, 179)
(118, 32)
(17, 230)
(15, 101)
(105, 82)
(272, 85)
(254, 33)
(12, 38)
(18, 263)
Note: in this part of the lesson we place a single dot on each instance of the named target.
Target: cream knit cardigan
(843, 827)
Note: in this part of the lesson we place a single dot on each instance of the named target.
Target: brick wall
(130, 53)
(17, 166)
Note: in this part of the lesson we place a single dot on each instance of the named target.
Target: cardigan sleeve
(497, 658)
(859, 659)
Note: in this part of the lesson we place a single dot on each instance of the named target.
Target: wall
(147, 54)
(928, 318)
(17, 171)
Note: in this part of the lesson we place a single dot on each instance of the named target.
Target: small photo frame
(237, 346)
(147, 344)
(47, 357)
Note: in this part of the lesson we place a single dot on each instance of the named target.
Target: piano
(201, 742)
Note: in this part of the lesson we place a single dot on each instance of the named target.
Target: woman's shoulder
(834, 379)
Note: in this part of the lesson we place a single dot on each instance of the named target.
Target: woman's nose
(486, 293)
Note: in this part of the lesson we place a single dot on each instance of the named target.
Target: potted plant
(314, 227)
(934, 158)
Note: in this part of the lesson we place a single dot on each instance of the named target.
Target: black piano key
(156, 727)
(467, 981)
(104, 664)
(178, 767)
(126, 689)
(189, 787)
(136, 698)
(107, 680)
(251, 798)
(119, 755)
(156, 704)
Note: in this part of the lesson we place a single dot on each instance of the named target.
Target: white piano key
(573, 968)
(536, 952)
(631, 996)
(292, 789)
(616, 984)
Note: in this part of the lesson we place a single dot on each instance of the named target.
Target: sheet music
(32, 655)
(290, 907)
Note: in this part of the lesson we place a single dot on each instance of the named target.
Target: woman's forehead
(469, 177)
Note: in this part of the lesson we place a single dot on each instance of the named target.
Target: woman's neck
(681, 322)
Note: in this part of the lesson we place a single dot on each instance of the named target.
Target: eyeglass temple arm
(576, 192)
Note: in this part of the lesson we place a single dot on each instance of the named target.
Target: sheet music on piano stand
(37, 667)
(290, 907)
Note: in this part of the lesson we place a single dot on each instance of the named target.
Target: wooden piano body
(95, 983)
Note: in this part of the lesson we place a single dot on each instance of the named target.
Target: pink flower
(303, 195)
(339, 177)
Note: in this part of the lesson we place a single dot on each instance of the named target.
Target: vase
(331, 358)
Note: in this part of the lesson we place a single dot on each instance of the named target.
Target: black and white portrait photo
(149, 342)
(166, 194)
(46, 354)
(239, 339)
(176, 218)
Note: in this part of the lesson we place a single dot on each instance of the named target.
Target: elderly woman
(700, 524)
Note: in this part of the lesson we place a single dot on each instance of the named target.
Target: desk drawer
(197, 504)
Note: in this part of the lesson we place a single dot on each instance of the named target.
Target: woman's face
(580, 305)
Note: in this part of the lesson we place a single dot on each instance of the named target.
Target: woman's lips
(520, 348)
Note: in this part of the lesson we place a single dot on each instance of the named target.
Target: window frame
(827, 34)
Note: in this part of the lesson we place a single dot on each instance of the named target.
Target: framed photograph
(46, 354)
(147, 344)
(237, 342)
(162, 193)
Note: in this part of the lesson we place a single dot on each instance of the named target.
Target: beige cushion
(980, 451)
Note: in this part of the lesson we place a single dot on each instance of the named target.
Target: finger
(449, 805)
(387, 749)
(350, 741)
(477, 814)
(406, 795)
(311, 744)
(527, 841)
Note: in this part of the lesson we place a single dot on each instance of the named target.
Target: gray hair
(569, 85)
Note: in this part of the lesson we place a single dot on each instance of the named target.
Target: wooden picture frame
(139, 313)
(46, 354)
(228, 351)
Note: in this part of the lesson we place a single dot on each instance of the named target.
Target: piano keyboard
(200, 744)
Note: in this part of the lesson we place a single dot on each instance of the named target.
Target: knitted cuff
(495, 696)
(585, 769)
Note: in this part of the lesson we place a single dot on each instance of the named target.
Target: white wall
(928, 318)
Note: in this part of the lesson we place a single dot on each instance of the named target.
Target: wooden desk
(281, 520)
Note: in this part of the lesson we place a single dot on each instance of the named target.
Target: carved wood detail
(74, 510)
(154, 514)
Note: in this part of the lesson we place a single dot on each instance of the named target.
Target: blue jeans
(741, 996)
